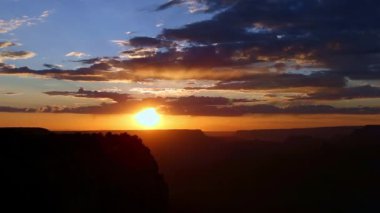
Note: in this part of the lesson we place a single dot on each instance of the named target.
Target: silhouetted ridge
(367, 138)
(369, 132)
(182, 134)
(282, 134)
(79, 173)
(24, 131)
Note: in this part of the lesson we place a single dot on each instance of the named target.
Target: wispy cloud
(15, 23)
(76, 54)
(9, 93)
(5, 44)
(193, 6)
(121, 43)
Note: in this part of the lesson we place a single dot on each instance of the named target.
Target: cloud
(142, 70)
(144, 41)
(12, 55)
(4, 67)
(13, 24)
(16, 55)
(124, 103)
(343, 93)
(187, 105)
(243, 34)
(147, 42)
(53, 66)
(169, 4)
(195, 105)
(97, 72)
(122, 97)
(199, 110)
(270, 109)
(197, 5)
(117, 97)
(76, 54)
(45, 14)
(10, 93)
(291, 29)
(121, 43)
(15, 109)
(276, 81)
(301, 36)
(139, 53)
(4, 44)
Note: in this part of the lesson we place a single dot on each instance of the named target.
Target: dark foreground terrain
(305, 170)
(312, 170)
(46, 172)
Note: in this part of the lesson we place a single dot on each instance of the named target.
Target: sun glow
(148, 118)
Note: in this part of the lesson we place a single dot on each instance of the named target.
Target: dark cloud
(339, 35)
(180, 106)
(92, 94)
(122, 97)
(203, 100)
(147, 42)
(275, 81)
(344, 93)
(125, 103)
(189, 105)
(52, 66)
(270, 109)
(169, 4)
(6, 67)
(10, 93)
(15, 109)
(90, 60)
(330, 32)
(147, 70)
(96, 72)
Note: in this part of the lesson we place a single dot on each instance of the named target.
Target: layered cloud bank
(186, 105)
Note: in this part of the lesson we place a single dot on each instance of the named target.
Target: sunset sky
(202, 64)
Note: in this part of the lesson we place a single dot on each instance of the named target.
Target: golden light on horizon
(148, 118)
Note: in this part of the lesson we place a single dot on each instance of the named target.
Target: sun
(148, 118)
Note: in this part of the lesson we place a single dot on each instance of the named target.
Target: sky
(202, 64)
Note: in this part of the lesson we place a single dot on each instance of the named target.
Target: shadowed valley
(332, 169)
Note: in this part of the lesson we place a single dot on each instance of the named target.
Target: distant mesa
(279, 135)
(183, 134)
(24, 131)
